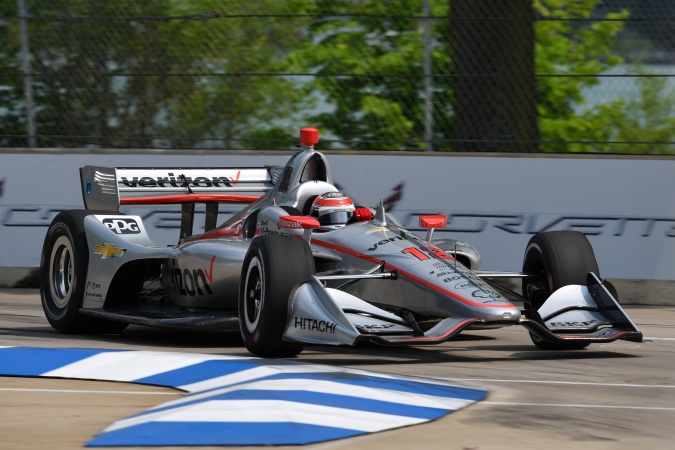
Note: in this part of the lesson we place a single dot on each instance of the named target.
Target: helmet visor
(335, 218)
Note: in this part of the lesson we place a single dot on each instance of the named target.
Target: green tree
(367, 60)
(569, 47)
(646, 121)
(180, 74)
(153, 73)
(230, 59)
(12, 114)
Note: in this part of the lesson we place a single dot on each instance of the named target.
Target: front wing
(579, 314)
(320, 315)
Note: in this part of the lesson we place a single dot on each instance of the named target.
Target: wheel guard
(582, 314)
(320, 315)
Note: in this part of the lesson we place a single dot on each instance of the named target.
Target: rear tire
(560, 258)
(63, 274)
(273, 267)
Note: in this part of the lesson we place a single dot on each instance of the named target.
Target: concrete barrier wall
(625, 205)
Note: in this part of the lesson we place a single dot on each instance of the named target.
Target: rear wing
(105, 188)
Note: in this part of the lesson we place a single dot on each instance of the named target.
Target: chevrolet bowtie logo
(107, 251)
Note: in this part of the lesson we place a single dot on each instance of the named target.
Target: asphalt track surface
(619, 395)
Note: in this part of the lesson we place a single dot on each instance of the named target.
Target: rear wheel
(559, 258)
(273, 266)
(63, 272)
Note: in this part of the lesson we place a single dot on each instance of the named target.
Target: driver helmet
(332, 209)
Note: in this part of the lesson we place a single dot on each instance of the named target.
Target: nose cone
(459, 291)
(500, 315)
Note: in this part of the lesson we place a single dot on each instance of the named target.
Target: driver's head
(332, 209)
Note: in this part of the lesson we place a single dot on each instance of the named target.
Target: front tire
(273, 266)
(63, 273)
(559, 258)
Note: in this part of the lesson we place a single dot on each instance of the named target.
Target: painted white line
(571, 405)
(576, 383)
(80, 391)
(658, 339)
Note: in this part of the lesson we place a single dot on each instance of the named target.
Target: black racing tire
(560, 258)
(63, 274)
(273, 267)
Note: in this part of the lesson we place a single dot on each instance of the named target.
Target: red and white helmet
(332, 209)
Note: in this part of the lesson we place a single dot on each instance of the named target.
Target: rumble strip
(245, 400)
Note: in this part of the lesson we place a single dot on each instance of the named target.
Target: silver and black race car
(301, 264)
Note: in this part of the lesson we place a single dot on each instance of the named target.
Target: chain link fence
(441, 75)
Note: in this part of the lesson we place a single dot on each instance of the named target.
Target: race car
(300, 264)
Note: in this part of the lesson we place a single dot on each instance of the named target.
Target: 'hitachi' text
(321, 326)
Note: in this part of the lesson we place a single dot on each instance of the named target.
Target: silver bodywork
(374, 280)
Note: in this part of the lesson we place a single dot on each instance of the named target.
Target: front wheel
(273, 267)
(558, 258)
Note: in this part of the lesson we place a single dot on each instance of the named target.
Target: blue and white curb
(245, 401)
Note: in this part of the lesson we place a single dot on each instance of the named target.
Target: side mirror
(306, 223)
(431, 222)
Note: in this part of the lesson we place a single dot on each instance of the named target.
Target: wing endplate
(582, 314)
